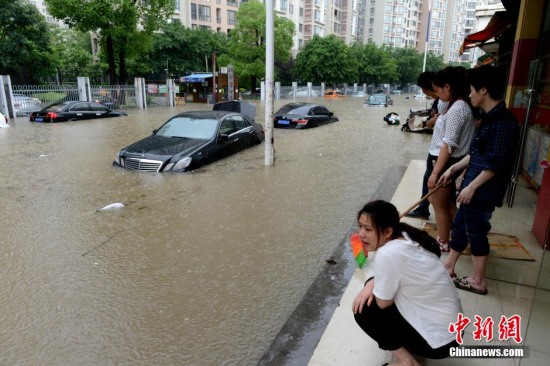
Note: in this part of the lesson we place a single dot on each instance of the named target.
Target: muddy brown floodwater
(200, 268)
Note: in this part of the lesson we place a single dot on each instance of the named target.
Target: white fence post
(277, 90)
(141, 100)
(6, 97)
(322, 88)
(262, 94)
(309, 87)
(84, 91)
(294, 89)
(171, 92)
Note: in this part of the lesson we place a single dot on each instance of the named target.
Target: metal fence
(31, 98)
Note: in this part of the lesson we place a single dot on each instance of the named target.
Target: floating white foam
(112, 206)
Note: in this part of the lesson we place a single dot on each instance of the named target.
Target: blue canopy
(196, 78)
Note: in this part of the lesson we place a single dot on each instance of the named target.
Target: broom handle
(439, 185)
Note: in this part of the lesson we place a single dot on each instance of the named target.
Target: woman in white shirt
(453, 133)
(410, 302)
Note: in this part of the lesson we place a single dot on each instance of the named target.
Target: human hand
(432, 181)
(465, 195)
(446, 178)
(364, 296)
(430, 123)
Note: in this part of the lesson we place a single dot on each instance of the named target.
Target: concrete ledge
(300, 336)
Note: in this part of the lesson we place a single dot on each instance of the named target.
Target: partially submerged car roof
(248, 109)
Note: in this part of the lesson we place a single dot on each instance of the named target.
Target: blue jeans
(471, 225)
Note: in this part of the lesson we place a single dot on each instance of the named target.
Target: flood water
(200, 268)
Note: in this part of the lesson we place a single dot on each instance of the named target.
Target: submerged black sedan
(302, 115)
(190, 140)
(73, 111)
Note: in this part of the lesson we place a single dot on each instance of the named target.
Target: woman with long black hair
(453, 133)
(410, 302)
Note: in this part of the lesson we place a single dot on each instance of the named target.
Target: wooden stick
(439, 185)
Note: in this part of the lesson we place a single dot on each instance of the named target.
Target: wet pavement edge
(298, 338)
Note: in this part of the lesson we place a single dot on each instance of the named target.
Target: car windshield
(196, 128)
(377, 99)
(294, 109)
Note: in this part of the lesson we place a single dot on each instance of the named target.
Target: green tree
(409, 64)
(72, 52)
(246, 46)
(375, 65)
(24, 43)
(434, 63)
(179, 50)
(326, 59)
(124, 26)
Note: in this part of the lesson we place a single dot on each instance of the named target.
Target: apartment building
(311, 17)
(439, 25)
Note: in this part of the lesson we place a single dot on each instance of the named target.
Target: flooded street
(200, 268)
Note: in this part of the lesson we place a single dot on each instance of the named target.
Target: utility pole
(427, 35)
(269, 76)
(214, 88)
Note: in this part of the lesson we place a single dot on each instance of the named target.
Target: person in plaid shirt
(489, 167)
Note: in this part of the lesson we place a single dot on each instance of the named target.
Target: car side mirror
(223, 137)
(155, 132)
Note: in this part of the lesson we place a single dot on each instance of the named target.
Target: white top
(420, 287)
(456, 128)
(442, 106)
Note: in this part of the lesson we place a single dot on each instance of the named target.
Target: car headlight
(118, 160)
(180, 165)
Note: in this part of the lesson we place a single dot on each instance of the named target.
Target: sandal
(443, 246)
(462, 283)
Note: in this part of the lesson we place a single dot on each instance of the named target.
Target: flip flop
(462, 283)
(453, 275)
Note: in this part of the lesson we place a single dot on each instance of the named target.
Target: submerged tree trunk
(111, 59)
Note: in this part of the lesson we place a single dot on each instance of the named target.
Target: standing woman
(453, 132)
(409, 303)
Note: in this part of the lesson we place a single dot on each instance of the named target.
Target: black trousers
(391, 331)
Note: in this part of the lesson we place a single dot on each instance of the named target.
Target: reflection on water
(200, 268)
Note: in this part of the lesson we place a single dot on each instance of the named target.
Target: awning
(500, 21)
(195, 78)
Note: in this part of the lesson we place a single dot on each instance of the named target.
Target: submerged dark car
(302, 115)
(190, 140)
(379, 100)
(73, 111)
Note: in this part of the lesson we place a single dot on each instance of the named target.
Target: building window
(232, 3)
(301, 12)
(300, 27)
(231, 17)
(177, 7)
(283, 5)
(291, 9)
(204, 13)
(194, 11)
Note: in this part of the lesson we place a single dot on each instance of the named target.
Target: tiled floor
(514, 288)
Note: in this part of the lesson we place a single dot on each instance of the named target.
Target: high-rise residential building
(310, 17)
(439, 25)
(41, 6)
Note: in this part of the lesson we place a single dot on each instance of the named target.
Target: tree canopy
(375, 65)
(124, 26)
(325, 59)
(25, 52)
(179, 51)
(246, 46)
